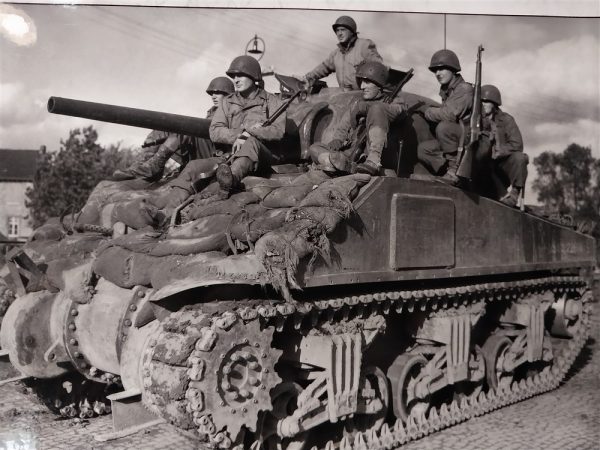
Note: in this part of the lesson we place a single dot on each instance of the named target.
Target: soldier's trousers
(509, 169)
(435, 154)
(258, 153)
(179, 189)
(512, 168)
(379, 118)
(319, 153)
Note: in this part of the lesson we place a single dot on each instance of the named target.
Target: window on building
(13, 227)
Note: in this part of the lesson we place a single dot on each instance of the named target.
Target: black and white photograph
(273, 225)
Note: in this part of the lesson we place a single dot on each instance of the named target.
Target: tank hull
(415, 230)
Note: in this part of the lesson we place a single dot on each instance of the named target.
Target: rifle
(360, 139)
(466, 155)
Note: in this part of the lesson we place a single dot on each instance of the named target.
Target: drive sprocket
(229, 373)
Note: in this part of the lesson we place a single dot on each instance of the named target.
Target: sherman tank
(307, 311)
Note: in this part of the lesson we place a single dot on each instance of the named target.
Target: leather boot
(511, 198)
(152, 169)
(450, 176)
(368, 167)
(339, 162)
(229, 177)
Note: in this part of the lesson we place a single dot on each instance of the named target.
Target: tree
(65, 179)
(568, 182)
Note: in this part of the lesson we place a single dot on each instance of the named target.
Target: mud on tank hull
(436, 305)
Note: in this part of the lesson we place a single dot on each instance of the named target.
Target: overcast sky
(548, 68)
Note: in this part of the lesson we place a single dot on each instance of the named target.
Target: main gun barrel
(142, 118)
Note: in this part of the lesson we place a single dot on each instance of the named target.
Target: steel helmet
(245, 65)
(491, 93)
(373, 71)
(444, 58)
(346, 22)
(220, 84)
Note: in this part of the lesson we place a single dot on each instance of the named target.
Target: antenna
(444, 31)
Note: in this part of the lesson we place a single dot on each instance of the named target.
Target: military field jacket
(503, 133)
(343, 62)
(237, 114)
(211, 112)
(457, 101)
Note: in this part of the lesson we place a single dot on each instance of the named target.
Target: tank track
(195, 333)
(73, 396)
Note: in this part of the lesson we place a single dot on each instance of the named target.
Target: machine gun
(466, 155)
(360, 136)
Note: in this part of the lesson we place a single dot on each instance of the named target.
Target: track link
(197, 332)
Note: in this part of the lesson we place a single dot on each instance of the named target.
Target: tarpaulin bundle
(306, 228)
(201, 235)
(280, 251)
(78, 246)
(231, 206)
(312, 177)
(252, 223)
(137, 214)
(50, 231)
(337, 193)
(209, 266)
(269, 227)
(124, 267)
(287, 196)
(107, 192)
(328, 218)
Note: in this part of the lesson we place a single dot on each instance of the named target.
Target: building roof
(17, 165)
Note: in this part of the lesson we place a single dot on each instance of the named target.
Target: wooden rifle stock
(466, 154)
(360, 136)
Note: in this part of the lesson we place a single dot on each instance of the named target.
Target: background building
(17, 169)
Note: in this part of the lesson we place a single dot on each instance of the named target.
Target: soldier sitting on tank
(501, 145)
(350, 52)
(334, 156)
(160, 146)
(238, 123)
(450, 119)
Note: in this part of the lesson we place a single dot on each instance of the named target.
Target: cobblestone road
(567, 418)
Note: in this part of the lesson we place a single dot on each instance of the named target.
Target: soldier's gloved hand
(240, 141)
(336, 145)
(305, 81)
(359, 110)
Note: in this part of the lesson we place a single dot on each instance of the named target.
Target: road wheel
(405, 373)
(495, 351)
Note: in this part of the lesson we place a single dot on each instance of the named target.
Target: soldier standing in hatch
(350, 52)
(161, 145)
(451, 118)
(502, 142)
(238, 122)
(371, 77)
